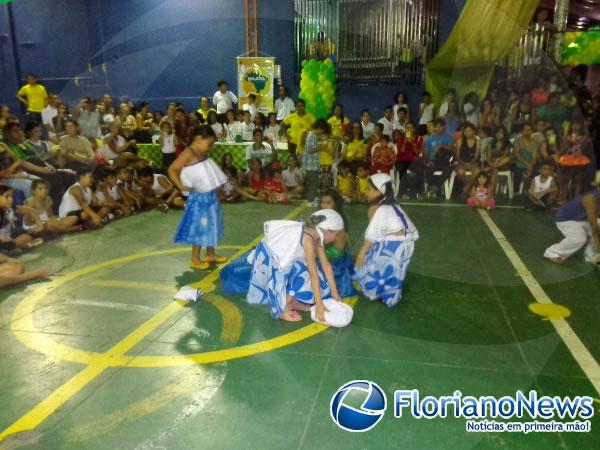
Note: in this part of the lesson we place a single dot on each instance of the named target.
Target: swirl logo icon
(358, 406)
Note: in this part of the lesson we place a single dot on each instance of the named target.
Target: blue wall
(160, 50)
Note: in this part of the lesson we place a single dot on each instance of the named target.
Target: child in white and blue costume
(285, 274)
(202, 222)
(385, 255)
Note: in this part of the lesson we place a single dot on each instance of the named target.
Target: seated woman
(468, 155)
(285, 274)
(117, 150)
(527, 154)
(11, 174)
(383, 259)
(33, 163)
(338, 251)
(76, 151)
(498, 156)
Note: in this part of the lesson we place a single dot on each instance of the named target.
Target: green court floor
(102, 358)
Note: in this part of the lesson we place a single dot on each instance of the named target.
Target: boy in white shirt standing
(251, 106)
(223, 100)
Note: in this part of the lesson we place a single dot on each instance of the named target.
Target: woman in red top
(383, 156)
(410, 147)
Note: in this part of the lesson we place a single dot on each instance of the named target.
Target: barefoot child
(382, 262)
(480, 194)
(362, 183)
(543, 190)
(79, 201)
(38, 215)
(12, 272)
(108, 195)
(285, 275)
(158, 191)
(202, 222)
(10, 238)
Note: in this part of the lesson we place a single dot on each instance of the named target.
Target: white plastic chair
(509, 183)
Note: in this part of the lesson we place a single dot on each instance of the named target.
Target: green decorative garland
(582, 47)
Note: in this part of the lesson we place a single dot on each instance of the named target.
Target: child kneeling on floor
(385, 255)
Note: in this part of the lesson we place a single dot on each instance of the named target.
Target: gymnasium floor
(102, 358)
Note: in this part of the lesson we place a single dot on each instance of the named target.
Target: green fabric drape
(484, 33)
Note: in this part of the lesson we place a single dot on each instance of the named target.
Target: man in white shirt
(284, 105)
(386, 121)
(366, 124)
(401, 120)
(223, 100)
(260, 149)
(50, 111)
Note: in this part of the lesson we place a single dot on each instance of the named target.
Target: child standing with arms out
(202, 221)
(167, 145)
(383, 259)
(38, 215)
(480, 194)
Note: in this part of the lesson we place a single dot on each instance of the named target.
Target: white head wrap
(380, 179)
(333, 221)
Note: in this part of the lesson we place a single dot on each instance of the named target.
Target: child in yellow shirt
(362, 183)
(345, 182)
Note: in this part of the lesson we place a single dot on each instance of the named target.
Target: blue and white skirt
(343, 272)
(383, 273)
(202, 221)
(270, 286)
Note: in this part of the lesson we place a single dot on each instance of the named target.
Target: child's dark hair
(364, 166)
(338, 204)
(4, 188)
(257, 131)
(37, 182)
(145, 172)
(387, 198)
(321, 124)
(314, 220)
(204, 132)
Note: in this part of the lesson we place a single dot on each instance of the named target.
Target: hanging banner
(255, 76)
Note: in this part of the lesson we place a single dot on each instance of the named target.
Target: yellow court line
(50, 404)
(579, 351)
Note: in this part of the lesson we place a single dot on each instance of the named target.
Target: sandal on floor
(290, 316)
(215, 259)
(202, 266)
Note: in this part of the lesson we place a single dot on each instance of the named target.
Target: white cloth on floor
(188, 294)
(338, 314)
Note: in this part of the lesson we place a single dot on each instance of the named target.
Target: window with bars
(371, 41)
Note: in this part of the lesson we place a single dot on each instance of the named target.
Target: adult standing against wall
(297, 124)
(284, 105)
(88, 117)
(223, 100)
(204, 109)
(35, 97)
(578, 221)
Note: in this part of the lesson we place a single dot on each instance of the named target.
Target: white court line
(579, 351)
(457, 205)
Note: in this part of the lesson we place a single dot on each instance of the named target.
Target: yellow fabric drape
(484, 33)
